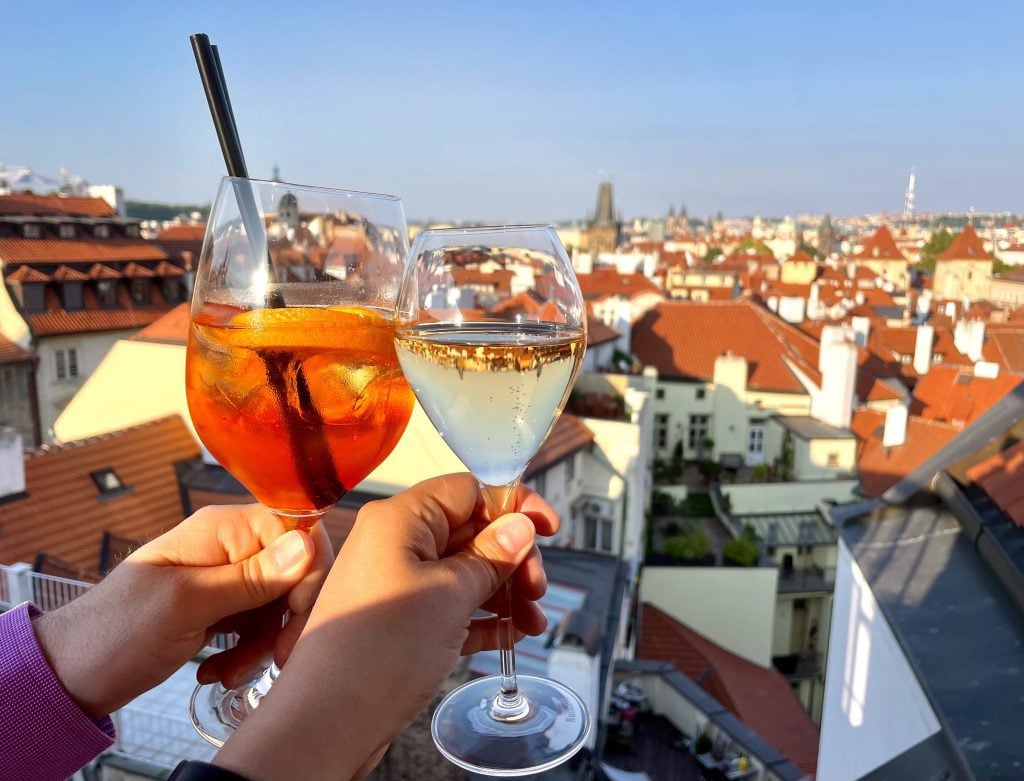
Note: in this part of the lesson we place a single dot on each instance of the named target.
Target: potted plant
(703, 744)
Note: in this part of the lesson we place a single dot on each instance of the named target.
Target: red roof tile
(604, 282)
(599, 333)
(1002, 478)
(880, 468)
(501, 280)
(683, 339)
(966, 246)
(12, 353)
(135, 270)
(93, 317)
(569, 435)
(172, 327)
(61, 515)
(165, 269)
(799, 257)
(1005, 346)
(99, 271)
(28, 274)
(16, 250)
(955, 395)
(881, 246)
(182, 233)
(759, 697)
(67, 274)
(30, 205)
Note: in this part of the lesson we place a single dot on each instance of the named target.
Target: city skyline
(496, 115)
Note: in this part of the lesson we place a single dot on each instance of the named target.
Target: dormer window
(140, 291)
(109, 483)
(31, 231)
(172, 290)
(131, 231)
(102, 232)
(106, 291)
(33, 298)
(71, 295)
(66, 231)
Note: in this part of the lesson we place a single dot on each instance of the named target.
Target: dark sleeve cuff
(190, 770)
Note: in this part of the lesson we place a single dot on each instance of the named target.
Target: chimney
(861, 328)
(834, 403)
(975, 339)
(986, 369)
(731, 371)
(12, 463)
(830, 334)
(923, 348)
(961, 335)
(895, 432)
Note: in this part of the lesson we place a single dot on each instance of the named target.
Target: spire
(276, 176)
(604, 216)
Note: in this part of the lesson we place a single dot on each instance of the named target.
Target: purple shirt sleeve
(44, 735)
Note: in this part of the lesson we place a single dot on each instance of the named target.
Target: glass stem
(509, 704)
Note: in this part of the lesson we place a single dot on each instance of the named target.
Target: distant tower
(276, 175)
(826, 236)
(603, 234)
(908, 199)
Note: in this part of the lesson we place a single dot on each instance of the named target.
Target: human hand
(222, 569)
(388, 628)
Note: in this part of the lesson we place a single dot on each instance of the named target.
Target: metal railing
(156, 738)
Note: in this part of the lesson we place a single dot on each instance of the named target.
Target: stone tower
(604, 232)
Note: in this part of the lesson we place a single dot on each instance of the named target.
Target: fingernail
(289, 550)
(514, 533)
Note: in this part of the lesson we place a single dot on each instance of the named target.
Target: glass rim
(518, 228)
(314, 188)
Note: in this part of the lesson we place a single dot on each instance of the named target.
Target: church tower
(604, 232)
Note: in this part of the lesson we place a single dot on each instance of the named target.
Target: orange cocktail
(299, 403)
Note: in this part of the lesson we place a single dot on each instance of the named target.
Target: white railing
(157, 738)
(18, 583)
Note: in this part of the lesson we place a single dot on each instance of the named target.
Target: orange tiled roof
(1002, 478)
(67, 274)
(880, 468)
(28, 274)
(12, 353)
(604, 282)
(683, 339)
(599, 333)
(1005, 346)
(569, 435)
(171, 327)
(61, 515)
(99, 271)
(799, 257)
(93, 317)
(881, 246)
(966, 246)
(955, 395)
(182, 233)
(501, 280)
(135, 270)
(17, 250)
(759, 697)
(30, 205)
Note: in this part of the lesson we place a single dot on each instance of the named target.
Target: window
(13, 385)
(755, 443)
(597, 534)
(140, 291)
(700, 393)
(832, 459)
(172, 290)
(31, 231)
(131, 231)
(540, 483)
(67, 363)
(102, 232)
(570, 468)
(661, 431)
(33, 297)
(106, 480)
(66, 231)
(106, 291)
(659, 393)
(71, 292)
(697, 433)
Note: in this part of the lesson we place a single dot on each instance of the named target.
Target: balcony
(807, 580)
(800, 667)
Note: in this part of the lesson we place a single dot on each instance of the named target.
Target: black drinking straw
(305, 428)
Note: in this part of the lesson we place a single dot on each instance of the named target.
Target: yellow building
(800, 269)
(884, 258)
(964, 270)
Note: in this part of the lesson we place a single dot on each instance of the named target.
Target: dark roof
(961, 632)
(808, 428)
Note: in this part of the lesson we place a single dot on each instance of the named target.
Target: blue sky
(512, 111)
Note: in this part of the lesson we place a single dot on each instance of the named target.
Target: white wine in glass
(492, 372)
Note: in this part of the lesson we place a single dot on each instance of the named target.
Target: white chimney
(961, 336)
(975, 339)
(861, 328)
(988, 370)
(834, 403)
(813, 302)
(830, 334)
(12, 463)
(923, 348)
(895, 432)
(951, 309)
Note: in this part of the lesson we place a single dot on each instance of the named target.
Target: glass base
(553, 729)
(216, 712)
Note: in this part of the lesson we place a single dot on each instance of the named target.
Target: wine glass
(292, 379)
(491, 335)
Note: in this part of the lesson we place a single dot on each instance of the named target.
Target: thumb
(253, 582)
(491, 557)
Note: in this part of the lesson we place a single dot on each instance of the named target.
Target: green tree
(935, 246)
(754, 244)
(692, 544)
(711, 254)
